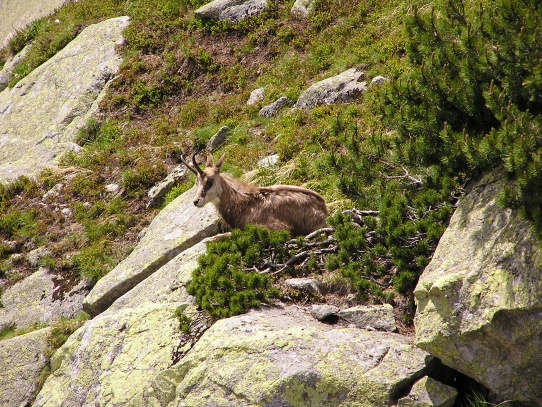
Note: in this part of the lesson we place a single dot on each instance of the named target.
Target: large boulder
(41, 298)
(479, 301)
(15, 15)
(179, 226)
(22, 360)
(282, 357)
(112, 357)
(41, 115)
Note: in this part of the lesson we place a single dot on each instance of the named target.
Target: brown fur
(280, 207)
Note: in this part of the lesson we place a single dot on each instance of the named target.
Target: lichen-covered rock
(179, 226)
(22, 359)
(274, 108)
(302, 8)
(479, 301)
(167, 285)
(285, 358)
(10, 65)
(256, 96)
(371, 316)
(111, 358)
(16, 15)
(218, 139)
(230, 10)
(428, 392)
(40, 116)
(342, 88)
(160, 190)
(41, 298)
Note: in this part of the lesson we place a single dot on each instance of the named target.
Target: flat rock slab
(378, 317)
(41, 115)
(111, 358)
(40, 299)
(281, 357)
(167, 285)
(16, 15)
(21, 360)
(179, 226)
(230, 10)
(479, 300)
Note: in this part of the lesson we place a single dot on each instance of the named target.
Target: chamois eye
(208, 184)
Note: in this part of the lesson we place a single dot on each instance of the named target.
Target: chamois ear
(209, 160)
(220, 161)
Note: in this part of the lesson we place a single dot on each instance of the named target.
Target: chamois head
(208, 180)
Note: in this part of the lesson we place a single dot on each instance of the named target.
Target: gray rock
(34, 256)
(167, 285)
(303, 284)
(343, 88)
(179, 226)
(160, 190)
(218, 139)
(230, 10)
(53, 192)
(269, 161)
(274, 108)
(427, 392)
(378, 317)
(256, 96)
(321, 312)
(41, 115)
(378, 80)
(302, 8)
(282, 357)
(22, 359)
(41, 298)
(99, 360)
(16, 15)
(112, 188)
(479, 301)
(10, 65)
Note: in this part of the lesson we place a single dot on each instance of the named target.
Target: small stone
(303, 284)
(67, 212)
(273, 109)
(112, 188)
(428, 392)
(54, 191)
(218, 139)
(269, 161)
(302, 8)
(321, 312)
(378, 80)
(256, 96)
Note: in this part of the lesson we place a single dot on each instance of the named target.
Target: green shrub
(471, 100)
(224, 283)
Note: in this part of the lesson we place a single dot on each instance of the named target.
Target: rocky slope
(478, 308)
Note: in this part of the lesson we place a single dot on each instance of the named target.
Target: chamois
(279, 207)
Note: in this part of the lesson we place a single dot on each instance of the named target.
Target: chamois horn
(194, 167)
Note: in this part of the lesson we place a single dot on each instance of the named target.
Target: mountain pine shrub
(224, 284)
(471, 100)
